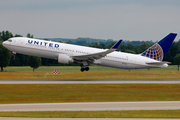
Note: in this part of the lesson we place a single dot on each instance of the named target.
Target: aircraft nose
(5, 43)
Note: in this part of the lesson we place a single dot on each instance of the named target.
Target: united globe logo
(155, 52)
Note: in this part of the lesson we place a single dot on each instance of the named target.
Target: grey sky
(105, 19)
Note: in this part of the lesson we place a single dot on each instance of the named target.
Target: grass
(96, 114)
(96, 72)
(77, 69)
(91, 75)
(56, 93)
(83, 92)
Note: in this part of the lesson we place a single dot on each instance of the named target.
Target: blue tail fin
(159, 50)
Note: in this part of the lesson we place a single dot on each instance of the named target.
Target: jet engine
(62, 58)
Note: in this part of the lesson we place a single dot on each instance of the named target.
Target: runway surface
(154, 81)
(82, 119)
(92, 106)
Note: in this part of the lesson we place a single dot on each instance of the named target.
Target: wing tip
(116, 45)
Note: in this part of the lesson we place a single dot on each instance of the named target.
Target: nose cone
(5, 43)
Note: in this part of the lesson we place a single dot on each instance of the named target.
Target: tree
(171, 53)
(177, 60)
(130, 51)
(17, 35)
(129, 46)
(1, 38)
(5, 35)
(29, 35)
(178, 46)
(5, 56)
(34, 62)
(144, 47)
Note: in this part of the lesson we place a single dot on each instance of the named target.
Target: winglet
(115, 46)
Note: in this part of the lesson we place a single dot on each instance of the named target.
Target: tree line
(87, 41)
(22, 60)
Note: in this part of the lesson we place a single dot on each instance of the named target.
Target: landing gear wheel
(87, 68)
(82, 69)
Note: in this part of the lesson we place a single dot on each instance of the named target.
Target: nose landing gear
(14, 55)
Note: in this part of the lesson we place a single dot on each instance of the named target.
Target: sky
(100, 19)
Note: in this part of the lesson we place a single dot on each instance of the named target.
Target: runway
(92, 106)
(151, 81)
(5, 118)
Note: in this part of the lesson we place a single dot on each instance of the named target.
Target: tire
(82, 69)
(87, 68)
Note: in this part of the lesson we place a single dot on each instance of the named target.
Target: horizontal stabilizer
(158, 63)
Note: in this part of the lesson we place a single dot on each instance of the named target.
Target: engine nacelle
(62, 58)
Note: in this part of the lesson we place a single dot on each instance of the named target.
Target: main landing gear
(84, 66)
(84, 69)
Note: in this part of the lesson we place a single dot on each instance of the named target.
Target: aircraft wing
(95, 56)
(158, 63)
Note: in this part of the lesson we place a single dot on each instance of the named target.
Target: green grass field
(77, 69)
(57, 93)
(96, 72)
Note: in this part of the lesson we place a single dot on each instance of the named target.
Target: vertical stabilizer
(159, 50)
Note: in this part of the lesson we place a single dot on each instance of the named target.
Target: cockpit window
(10, 40)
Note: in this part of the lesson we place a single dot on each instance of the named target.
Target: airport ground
(95, 72)
(53, 93)
(77, 68)
(7, 118)
(28, 92)
(64, 93)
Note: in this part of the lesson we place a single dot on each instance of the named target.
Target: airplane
(68, 53)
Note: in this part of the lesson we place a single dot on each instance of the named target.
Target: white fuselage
(50, 49)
